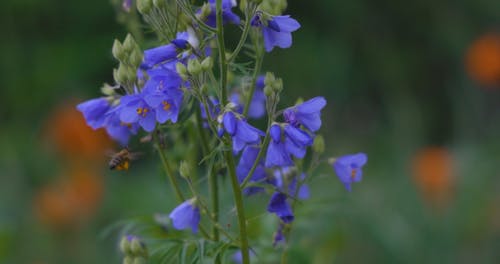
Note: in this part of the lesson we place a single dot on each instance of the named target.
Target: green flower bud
(125, 245)
(106, 89)
(185, 169)
(204, 88)
(182, 70)
(205, 11)
(319, 144)
(118, 51)
(136, 58)
(129, 44)
(278, 85)
(120, 74)
(140, 260)
(270, 79)
(144, 6)
(207, 64)
(194, 67)
(128, 260)
(268, 90)
(137, 248)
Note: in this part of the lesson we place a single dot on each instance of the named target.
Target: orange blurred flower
(483, 59)
(433, 175)
(72, 200)
(69, 134)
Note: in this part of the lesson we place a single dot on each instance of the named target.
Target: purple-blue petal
(279, 205)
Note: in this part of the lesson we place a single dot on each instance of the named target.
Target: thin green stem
(169, 172)
(238, 200)
(256, 71)
(246, 29)
(222, 51)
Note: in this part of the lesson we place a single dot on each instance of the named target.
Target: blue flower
(247, 160)
(279, 205)
(186, 215)
(284, 175)
(278, 237)
(276, 30)
(285, 142)
(227, 14)
(238, 258)
(136, 110)
(117, 129)
(240, 131)
(348, 168)
(167, 53)
(94, 111)
(307, 114)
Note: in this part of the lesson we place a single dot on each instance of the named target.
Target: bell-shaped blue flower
(167, 53)
(349, 168)
(94, 111)
(279, 205)
(136, 110)
(285, 142)
(117, 129)
(276, 154)
(241, 132)
(276, 30)
(307, 114)
(186, 215)
(247, 159)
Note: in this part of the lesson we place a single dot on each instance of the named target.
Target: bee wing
(135, 155)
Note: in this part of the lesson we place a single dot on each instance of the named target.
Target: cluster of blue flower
(161, 90)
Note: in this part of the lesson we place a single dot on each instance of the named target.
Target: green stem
(222, 51)
(246, 29)
(169, 172)
(256, 71)
(238, 199)
(212, 179)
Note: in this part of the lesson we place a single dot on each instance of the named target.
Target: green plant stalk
(256, 162)
(169, 172)
(240, 210)
(212, 180)
(238, 198)
(258, 64)
(244, 35)
(222, 51)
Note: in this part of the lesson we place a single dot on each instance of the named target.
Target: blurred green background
(415, 85)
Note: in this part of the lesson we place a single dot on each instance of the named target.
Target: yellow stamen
(166, 105)
(353, 173)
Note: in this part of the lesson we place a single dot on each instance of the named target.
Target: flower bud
(205, 11)
(129, 44)
(125, 245)
(140, 260)
(106, 89)
(207, 64)
(269, 79)
(268, 90)
(278, 85)
(159, 3)
(319, 144)
(182, 70)
(144, 6)
(137, 248)
(204, 88)
(128, 260)
(118, 51)
(194, 67)
(184, 169)
(120, 74)
(136, 58)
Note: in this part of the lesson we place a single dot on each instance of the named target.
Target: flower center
(166, 105)
(142, 111)
(353, 173)
(126, 124)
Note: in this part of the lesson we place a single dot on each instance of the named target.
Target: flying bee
(121, 160)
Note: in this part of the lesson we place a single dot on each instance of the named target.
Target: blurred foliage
(396, 76)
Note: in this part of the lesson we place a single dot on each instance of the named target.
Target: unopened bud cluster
(134, 250)
(129, 55)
